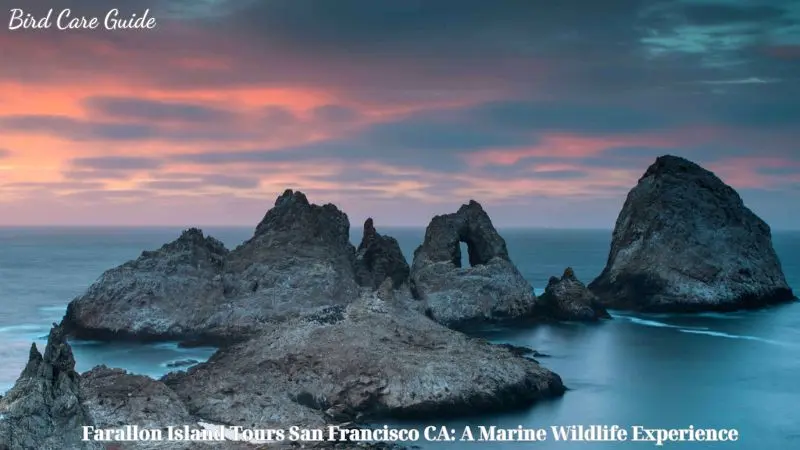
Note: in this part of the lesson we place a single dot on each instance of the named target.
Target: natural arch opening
(464, 252)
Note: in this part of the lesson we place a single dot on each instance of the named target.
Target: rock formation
(566, 298)
(371, 359)
(379, 257)
(43, 410)
(492, 288)
(193, 289)
(685, 242)
(164, 294)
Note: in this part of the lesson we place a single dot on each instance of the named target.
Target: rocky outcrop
(300, 258)
(566, 298)
(193, 289)
(371, 359)
(379, 257)
(491, 289)
(164, 294)
(115, 398)
(44, 409)
(685, 242)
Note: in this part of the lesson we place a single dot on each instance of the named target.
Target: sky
(545, 112)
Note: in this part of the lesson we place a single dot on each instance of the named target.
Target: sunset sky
(547, 112)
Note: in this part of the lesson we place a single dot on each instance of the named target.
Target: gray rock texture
(172, 292)
(685, 242)
(379, 257)
(370, 359)
(44, 409)
(491, 289)
(193, 289)
(568, 299)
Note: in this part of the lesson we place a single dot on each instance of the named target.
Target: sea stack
(44, 408)
(685, 242)
(568, 299)
(379, 257)
(490, 289)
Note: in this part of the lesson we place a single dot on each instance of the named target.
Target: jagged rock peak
(684, 241)
(293, 212)
(379, 258)
(44, 408)
(370, 234)
(193, 238)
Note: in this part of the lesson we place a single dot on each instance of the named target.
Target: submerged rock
(371, 359)
(685, 242)
(193, 289)
(491, 289)
(44, 409)
(566, 298)
(379, 257)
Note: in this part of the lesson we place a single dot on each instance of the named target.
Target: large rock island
(685, 242)
(490, 289)
(194, 289)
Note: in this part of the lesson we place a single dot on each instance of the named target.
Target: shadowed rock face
(492, 288)
(371, 359)
(43, 410)
(299, 258)
(684, 242)
(379, 257)
(566, 298)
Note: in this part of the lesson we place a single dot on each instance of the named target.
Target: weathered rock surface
(491, 289)
(115, 398)
(193, 289)
(44, 409)
(300, 258)
(168, 293)
(370, 359)
(379, 257)
(566, 298)
(684, 242)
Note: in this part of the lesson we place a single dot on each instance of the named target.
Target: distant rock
(566, 298)
(379, 257)
(193, 289)
(685, 242)
(372, 359)
(44, 409)
(491, 289)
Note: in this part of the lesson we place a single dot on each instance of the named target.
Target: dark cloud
(335, 114)
(559, 174)
(201, 182)
(153, 110)
(122, 163)
(88, 130)
(565, 117)
(4, 153)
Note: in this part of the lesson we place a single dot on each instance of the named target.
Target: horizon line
(241, 226)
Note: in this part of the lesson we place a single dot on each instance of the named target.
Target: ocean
(738, 370)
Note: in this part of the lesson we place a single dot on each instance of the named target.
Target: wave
(653, 323)
(730, 336)
(25, 328)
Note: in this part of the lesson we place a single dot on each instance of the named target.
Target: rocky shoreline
(313, 331)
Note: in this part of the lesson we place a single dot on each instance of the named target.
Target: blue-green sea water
(738, 370)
